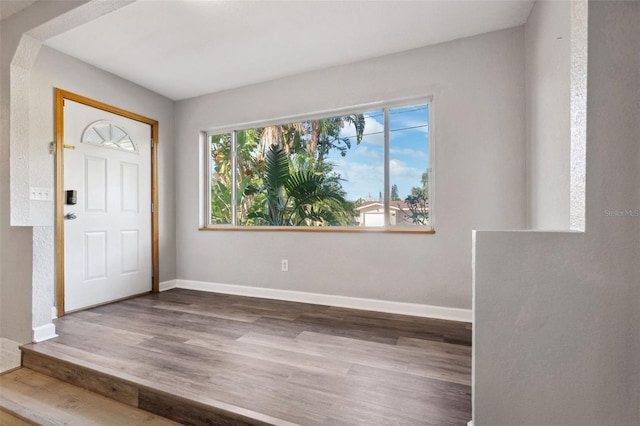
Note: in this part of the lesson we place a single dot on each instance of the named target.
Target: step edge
(231, 411)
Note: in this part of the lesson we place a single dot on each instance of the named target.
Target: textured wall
(16, 243)
(556, 330)
(478, 134)
(579, 50)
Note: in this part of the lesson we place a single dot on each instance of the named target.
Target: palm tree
(306, 145)
(297, 197)
(317, 137)
(325, 135)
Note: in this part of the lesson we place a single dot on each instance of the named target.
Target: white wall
(548, 60)
(27, 260)
(478, 133)
(556, 330)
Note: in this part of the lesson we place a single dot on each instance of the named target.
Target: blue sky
(362, 168)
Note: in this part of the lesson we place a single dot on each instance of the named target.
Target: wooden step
(162, 400)
(31, 398)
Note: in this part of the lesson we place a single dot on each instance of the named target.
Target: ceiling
(183, 49)
(10, 7)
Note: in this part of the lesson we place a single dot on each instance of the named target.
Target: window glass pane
(220, 178)
(251, 169)
(409, 167)
(360, 168)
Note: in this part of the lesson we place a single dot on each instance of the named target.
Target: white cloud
(414, 153)
(400, 169)
(361, 180)
(405, 176)
(373, 130)
(366, 152)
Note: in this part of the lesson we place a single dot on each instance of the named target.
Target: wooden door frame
(61, 96)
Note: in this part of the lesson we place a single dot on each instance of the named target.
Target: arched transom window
(108, 135)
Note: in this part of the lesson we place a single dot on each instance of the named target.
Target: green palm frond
(303, 186)
(358, 122)
(276, 176)
(276, 168)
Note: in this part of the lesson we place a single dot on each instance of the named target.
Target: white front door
(107, 232)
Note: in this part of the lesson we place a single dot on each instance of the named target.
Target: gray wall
(556, 331)
(478, 134)
(548, 60)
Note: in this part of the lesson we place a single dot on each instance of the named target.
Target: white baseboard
(54, 312)
(168, 285)
(428, 311)
(44, 332)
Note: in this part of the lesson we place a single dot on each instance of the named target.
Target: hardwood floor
(30, 398)
(205, 358)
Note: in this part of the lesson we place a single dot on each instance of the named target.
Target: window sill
(335, 229)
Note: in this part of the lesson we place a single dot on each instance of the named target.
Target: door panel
(129, 185)
(108, 246)
(95, 245)
(130, 251)
(95, 182)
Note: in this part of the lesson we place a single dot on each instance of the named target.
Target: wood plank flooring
(206, 358)
(30, 398)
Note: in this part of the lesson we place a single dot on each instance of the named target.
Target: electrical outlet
(285, 265)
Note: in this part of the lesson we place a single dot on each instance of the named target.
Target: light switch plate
(41, 194)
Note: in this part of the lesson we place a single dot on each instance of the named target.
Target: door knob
(70, 216)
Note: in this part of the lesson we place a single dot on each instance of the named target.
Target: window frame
(385, 106)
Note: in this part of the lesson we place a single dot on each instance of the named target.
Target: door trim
(61, 96)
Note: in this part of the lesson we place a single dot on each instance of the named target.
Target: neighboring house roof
(374, 205)
(370, 205)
